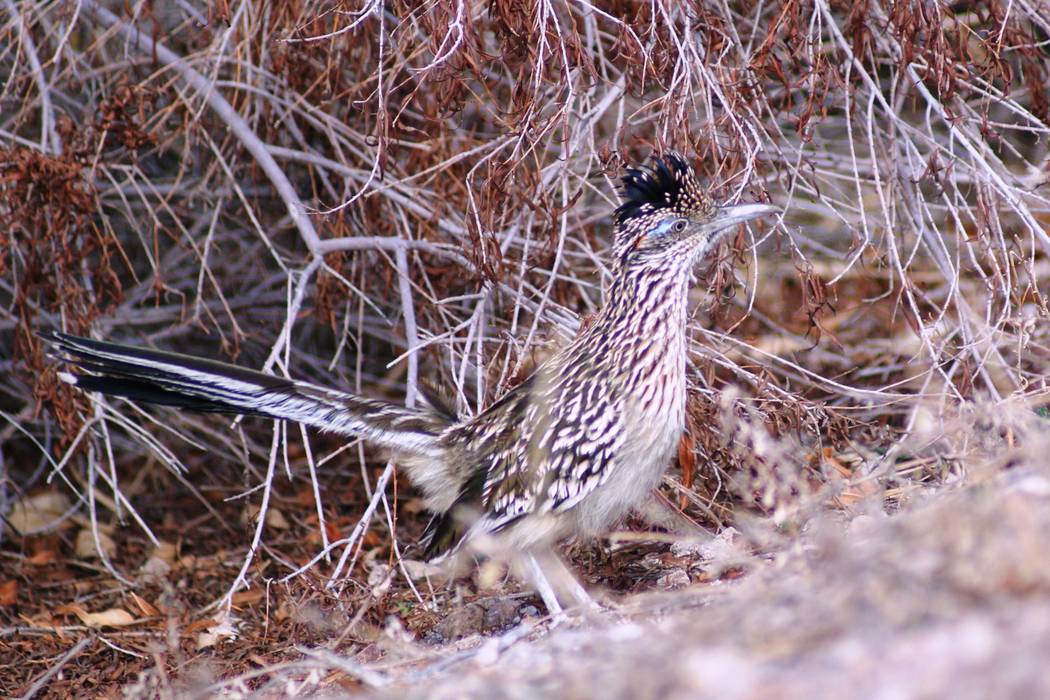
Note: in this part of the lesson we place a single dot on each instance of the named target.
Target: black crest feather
(669, 184)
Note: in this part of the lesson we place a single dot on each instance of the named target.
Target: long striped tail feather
(198, 384)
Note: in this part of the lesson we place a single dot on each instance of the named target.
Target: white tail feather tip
(68, 378)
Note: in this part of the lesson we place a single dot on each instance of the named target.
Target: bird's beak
(729, 216)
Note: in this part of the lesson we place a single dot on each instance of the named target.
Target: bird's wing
(573, 437)
(572, 458)
(541, 449)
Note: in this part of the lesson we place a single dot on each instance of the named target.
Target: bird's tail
(197, 384)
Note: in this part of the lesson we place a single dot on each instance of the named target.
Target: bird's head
(667, 218)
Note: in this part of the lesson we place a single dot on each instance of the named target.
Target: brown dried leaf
(112, 617)
(166, 552)
(42, 557)
(247, 597)
(145, 607)
(87, 547)
(38, 512)
(687, 460)
(8, 592)
(274, 518)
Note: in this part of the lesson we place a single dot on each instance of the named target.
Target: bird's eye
(679, 226)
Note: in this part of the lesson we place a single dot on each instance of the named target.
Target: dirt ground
(950, 597)
(948, 600)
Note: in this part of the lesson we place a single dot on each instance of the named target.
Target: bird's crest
(669, 186)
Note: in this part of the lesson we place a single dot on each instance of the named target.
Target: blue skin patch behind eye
(663, 229)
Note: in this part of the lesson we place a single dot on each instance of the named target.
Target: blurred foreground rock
(950, 599)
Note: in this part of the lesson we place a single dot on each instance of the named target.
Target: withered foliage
(381, 195)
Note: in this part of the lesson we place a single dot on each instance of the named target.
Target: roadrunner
(565, 453)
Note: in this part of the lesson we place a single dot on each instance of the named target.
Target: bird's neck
(648, 302)
(644, 317)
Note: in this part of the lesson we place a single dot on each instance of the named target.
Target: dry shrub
(376, 195)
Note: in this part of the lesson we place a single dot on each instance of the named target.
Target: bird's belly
(639, 466)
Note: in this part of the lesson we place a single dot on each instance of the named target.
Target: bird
(564, 454)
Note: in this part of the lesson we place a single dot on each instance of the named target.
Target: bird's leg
(566, 586)
(571, 585)
(535, 575)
